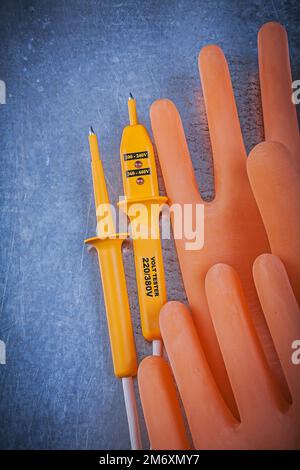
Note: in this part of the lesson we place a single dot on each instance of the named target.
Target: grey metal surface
(69, 64)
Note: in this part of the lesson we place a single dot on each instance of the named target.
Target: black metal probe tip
(91, 130)
(131, 96)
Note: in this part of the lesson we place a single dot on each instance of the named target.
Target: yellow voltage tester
(143, 205)
(108, 244)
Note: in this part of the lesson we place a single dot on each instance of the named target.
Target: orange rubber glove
(234, 234)
(267, 420)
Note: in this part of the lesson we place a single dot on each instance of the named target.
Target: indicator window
(135, 156)
(138, 172)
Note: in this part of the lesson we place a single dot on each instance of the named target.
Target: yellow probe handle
(116, 304)
(109, 248)
(151, 286)
(141, 188)
(149, 266)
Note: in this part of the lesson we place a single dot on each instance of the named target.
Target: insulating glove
(267, 420)
(208, 360)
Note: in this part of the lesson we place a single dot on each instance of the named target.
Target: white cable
(132, 413)
(157, 347)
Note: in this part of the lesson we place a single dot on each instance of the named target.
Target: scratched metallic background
(69, 64)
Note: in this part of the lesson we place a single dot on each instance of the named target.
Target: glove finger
(160, 405)
(253, 386)
(276, 187)
(279, 112)
(208, 417)
(282, 314)
(228, 149)
(182, 189)
(173, 153)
